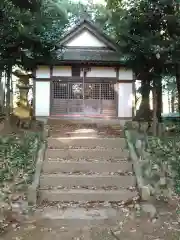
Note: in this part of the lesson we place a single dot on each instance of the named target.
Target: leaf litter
(140, 226)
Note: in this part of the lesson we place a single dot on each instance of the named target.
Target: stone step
(78, 217)
(51, 166)
(86, 142)
(86, 133)
(111, 134)
(86, 195)
(87, 153)
(78, 133)
(75, 127)
(84, 121)
(69, 181)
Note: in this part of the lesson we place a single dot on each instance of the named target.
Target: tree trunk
(145, 91)
(178, 84)
(2, 97)
(1, 72)
(144, 113)
(159, 99)
(172, 102)
(155, 120)
(8, 93)
(169, 102)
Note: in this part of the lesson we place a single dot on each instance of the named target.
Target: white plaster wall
(108, 72)
(125, 100)
(42, 99)
(125, 74)
(85, 39)
(43, 72)
(62, 71)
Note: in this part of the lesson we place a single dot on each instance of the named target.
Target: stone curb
(143, 189)
(32, 190)
(45, 132)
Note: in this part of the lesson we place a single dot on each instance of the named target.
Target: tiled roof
(88, 55)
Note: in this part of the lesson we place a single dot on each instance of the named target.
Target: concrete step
(51, 166)
(86, 195)
(87, 153)
(86, 142)
(69, 181)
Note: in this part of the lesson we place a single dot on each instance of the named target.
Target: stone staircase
(83, 166)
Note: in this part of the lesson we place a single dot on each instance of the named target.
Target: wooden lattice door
(86, 99)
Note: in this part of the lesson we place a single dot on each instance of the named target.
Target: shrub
(164, 162)
(17, 165)
(17, 158)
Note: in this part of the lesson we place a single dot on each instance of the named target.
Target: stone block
(145, 193)
(149, 209)
(32, 194)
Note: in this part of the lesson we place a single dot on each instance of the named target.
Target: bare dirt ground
(135, 226)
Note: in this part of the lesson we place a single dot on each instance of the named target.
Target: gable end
(86, 34)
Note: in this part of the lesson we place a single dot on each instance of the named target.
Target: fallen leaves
(124, 206)
(17, 167)
(130, 227)
(18, 238)
(108, 131)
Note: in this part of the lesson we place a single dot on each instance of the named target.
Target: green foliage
(159, 160)
(149, 38)
(164, 160)
(17, 164)
(18, 158)
(97, 13)
(29, 30)
(144, 31)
